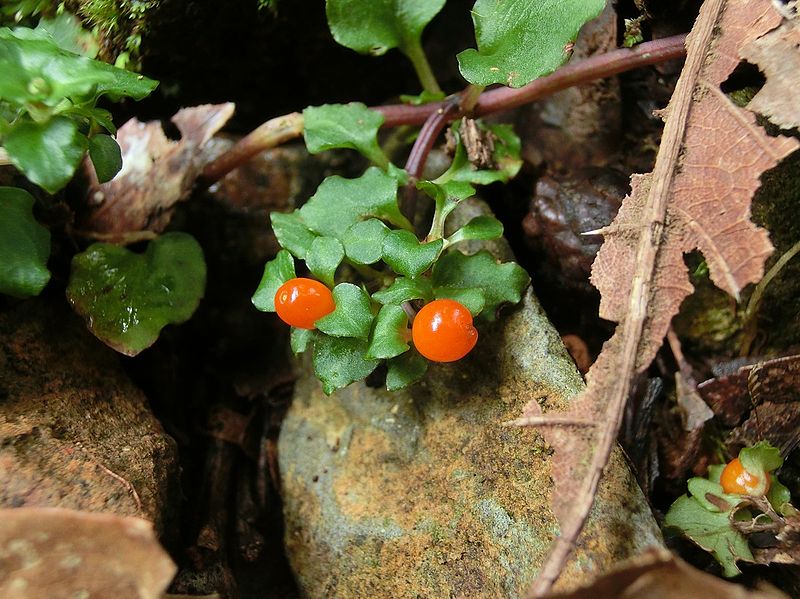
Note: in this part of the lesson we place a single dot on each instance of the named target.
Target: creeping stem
(284, 128)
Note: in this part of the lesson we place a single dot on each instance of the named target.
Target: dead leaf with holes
(156, 174)
(776, 55)
(698, 196)
(60, 554)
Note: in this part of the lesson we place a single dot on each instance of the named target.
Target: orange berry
(443, 331)
(302, 302)
(735, 479)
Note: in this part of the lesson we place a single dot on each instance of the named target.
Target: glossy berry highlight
(737, 480)
(443, 331)
(301, 302)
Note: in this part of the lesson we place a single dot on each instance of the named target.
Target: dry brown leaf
(777, 56)
(698, 196)
(658, 574)
(156, 173)
(58, 553)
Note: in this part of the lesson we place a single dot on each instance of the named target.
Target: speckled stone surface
(424, 493)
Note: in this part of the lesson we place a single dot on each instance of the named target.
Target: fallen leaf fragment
(58, 553)
(708, 166)
(156, 174)
(658, 574)
(777, 56)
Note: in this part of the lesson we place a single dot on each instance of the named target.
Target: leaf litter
(698, 196)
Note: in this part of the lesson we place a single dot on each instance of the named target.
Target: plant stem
(284, 128)
(425, 74)
(268, 135)
(470, 97)
(755, 299)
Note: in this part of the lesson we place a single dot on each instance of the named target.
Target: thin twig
(551, 420)
(284, 128)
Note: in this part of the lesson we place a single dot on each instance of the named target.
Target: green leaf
(276, 272)
(425, 97)
(701, 488)
(404, 289)
(761, 458)
(389, 334)
(300, 338)
(24, 245)
(66, 32)
(36, 70)
(715, 472)
(106, 157)
(46, 153)
(352, 316)
(452, 190)
(472, 298)
(500, 283)
(126, 298)
(480, 227)
(405, 370)
(352, 126)
(520, 40)
(324, 257)
(710, 530)
(339, 361)
(407, 256)
(375, 26)
(363, 242)
(339, 203)
(292, 233)
(779, 496)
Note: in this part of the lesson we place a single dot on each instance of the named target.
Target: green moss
(120, 24)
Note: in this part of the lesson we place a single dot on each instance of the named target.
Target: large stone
(424, 493)
(74, 431)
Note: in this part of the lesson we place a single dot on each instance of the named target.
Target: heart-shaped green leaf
(388, 337)
(712, 531)
(47, 153)
(24, 245)
(761, 457)
(407, 256)
(472, 298)
(106, 157)
(499, 283)
(352, 316)
(404, 289)
(363, 242)
(480, 227)
(292, 233)
(375, 26)
(340, 203)
(339, 361)
(520, 40)
(276, 272)
(127, 298)
(352, 126)
(324, 257)
(405, 370)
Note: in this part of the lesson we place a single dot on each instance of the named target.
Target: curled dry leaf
(698, 196)
(156, 174)
(60, 554)
(777, 57)
(658, 574)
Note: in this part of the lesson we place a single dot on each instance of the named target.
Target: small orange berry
(735, 479)
(302, 302)
(443, 331)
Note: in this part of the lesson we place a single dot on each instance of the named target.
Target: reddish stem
(496, 100)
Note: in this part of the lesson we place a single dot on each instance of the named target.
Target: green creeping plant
(372, 269)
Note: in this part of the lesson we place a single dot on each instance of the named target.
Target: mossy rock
(424, 493)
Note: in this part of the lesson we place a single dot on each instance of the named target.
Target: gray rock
(424, 493)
